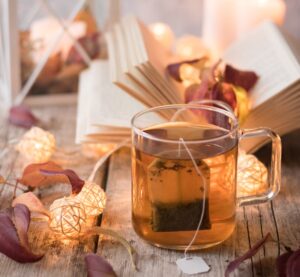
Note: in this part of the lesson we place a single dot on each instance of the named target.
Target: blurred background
(183, 16)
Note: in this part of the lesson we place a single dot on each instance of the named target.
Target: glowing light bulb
(252, 175)
(163, 33)
(67, 217)
(190, 47)
(189, 74)
(93, 198)
(37, 145)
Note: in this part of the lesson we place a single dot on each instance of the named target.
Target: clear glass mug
(184, 165)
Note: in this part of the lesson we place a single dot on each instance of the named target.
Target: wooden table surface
(67, 259)
(280, 218)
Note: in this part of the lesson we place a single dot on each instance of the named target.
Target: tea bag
(176, 192)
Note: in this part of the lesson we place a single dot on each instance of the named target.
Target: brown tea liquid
(168, 193)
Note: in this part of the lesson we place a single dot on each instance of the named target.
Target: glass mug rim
(201, 106)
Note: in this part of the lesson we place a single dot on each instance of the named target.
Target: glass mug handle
(274, 176)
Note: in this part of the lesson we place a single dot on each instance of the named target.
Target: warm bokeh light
(70, 215)
(93, 197)
(163, 33)
(37, 145)
(190, 47)
(252, 175)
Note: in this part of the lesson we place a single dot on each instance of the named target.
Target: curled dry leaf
(288, 264)
(14, 224)
(73, 178)
(2, 180)
(293, 265)
(250, 253)
(98, 266)
(224, 92)
(32, 177)
(32, 202)
(22, 116)
(240, 78)
(204, 89)
(281, 263)
(174, 68)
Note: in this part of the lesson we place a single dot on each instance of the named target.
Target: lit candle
(163, 33)
(251, 13)
(226, 20)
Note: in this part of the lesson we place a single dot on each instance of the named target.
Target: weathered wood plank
(61, 258)
(152, 261)
(252, 224)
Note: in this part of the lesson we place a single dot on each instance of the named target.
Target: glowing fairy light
(252, 175)
(37, 145)
(69, 215)
(163, 33)
(93, 197)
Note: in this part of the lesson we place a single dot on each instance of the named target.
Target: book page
(265, 51)
(82, 107)
(107, 104)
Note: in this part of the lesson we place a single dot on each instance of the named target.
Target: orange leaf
(33, 177)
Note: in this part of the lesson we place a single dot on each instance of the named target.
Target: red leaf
(224, 92)
(293, 264)
(250, 253)
(74, 180)
(22, 116)
(204, 89)
(198, 92)
(281, 263)
(32, 176)
(244, 79)
(98, 267)
(14, 224)
(173, 69)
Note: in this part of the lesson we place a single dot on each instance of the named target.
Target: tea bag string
(204, 195)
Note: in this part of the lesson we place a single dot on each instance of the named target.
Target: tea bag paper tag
(192, 265)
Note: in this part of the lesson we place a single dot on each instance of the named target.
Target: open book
(137, 64)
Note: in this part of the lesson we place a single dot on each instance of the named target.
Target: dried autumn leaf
(14, 224)
(281, 263)
(32, 177)
(174, 68)
(22, 116)
(98, 266)
(73, 178)
(250, 253)
(293, 264)
(204, 89)
(224, 92)
(32, 202)
(240, 78)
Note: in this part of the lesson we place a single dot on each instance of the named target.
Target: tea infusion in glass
(168, 192)
(184, 162)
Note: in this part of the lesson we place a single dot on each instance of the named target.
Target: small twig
(14, 186)
(15, 189)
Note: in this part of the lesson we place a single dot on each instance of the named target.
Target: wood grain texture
(67, 260)
(61, 258)
(253, 223)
